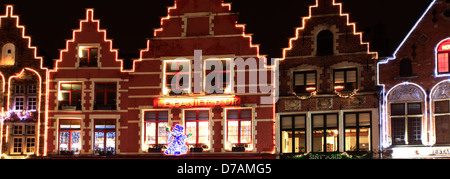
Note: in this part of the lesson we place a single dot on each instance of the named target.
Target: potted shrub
(198, 148)
(66, 152)
(155, 149)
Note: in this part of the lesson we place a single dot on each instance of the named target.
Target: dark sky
(129, 23)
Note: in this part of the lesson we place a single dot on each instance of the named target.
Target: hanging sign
(196, 102)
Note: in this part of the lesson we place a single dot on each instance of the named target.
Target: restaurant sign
(196, 102)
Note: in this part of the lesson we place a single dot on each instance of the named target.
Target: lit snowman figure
(176, 144)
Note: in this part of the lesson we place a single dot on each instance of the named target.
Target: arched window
(325, 43)
(442, 57)
(405, 68)
(8, 54)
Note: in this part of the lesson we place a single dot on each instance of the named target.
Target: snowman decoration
(176, 144)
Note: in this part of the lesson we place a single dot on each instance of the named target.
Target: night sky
(129, 23)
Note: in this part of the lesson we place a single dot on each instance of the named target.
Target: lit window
(19, 103)
(443, 65)
(88, 56)
(70, 96)
(239, 126)
(17, 145)
(8, 54)
(177, 77)
(325, 132)
(358, 131)
(442, 118)
(155, 128)
(293, 134)
(305, 82)
(105, 136)
(217, 76)
(32, 89)
(17, 130)
(30, 145)
(105, 96)
(345, 79)
(32, 103)
(69, 135)
(197, 124)
(406, 123)
(19, 89)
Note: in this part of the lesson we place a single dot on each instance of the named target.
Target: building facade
(328, 94)
(88, 96)
(414, 115)
(196, 73)
(23, 89)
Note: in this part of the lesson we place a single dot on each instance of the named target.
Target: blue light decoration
(176, 144)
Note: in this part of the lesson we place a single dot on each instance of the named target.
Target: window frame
(16, 105)
(89, 60)
(70, 131)
(197, 129)
(358, 127)
(105, 131)
(437, 115)
(345, 70)
(406, 116)
(305, 78)
(224, 71)
(439, 51)
(324, 129)
(105, 95)
(240, 120)
(293, 130)
(157, 121)
(168, 90)
(71, 91)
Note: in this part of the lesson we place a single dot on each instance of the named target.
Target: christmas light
(176, 143)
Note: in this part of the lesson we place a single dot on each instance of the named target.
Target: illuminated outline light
(383, 108)
(297, 31)
(90, 18)
(436, 73)
(10, 14)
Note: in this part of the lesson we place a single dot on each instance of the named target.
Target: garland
(347, 96)
(305, 97)
(344, 155)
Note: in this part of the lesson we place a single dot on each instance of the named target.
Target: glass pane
(162, 133)
(111, 141)
(150, 116)
(232, 114)
(299, 79)
(398, 109)
(163, 116)
(76, 142)
(350, 140)
(364, 119)
(398, 131)
(441, 107)
(311, 79)
(442, 129)
(246, 114)
(203, 115)
(100, 86)
(66, 87)
(300, 122)
(203, 130)
(76, 86)
(364, 139)
(286, 141)
(332, 120)
(99, 125)
(332, 140)
(64, 141)
(150, 132)
(191, 115)
(317, 121)
(64, 125)
(414, 108)
(232, 132)
(110, 125)
(94, 53)
(191, 128)
(318, 140)
(246, 132)
(351, 76)
(339, 77)
(286, 122)
(350, 120)
(300, 141)
(414, 130)
(99, 141)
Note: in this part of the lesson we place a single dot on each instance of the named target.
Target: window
(32, 103)
(17, 130)
(88, 56)
(443, 51)
(70, 135)
(217, 76)
(239, 126)
(70, 96)
(155, 127)
(17, 145)
(358, 131)
(19, 89)
(345, 79)
(8, 54)
(442, 124)
(32, 89)
(19, 103)
(105, 96)
(105, 136)
(406, 123)
(30, 130)
(405, 68)
(177, 77)
(305, 82)
(325, 44)
(198, 26)
(30, 145)
(293, 134)
(197, 124)
(325, 133)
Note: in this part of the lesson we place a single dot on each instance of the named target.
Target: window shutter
(299, 79)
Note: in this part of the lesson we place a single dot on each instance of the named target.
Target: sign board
(196, 102)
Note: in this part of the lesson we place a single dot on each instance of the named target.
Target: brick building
(198, 41)
(415, 109)
(88, 92)
(23, 89)
(328, 93)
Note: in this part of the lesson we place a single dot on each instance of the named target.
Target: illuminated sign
(196, 102)
(444, 46)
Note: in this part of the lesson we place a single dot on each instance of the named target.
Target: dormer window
(88, 56)
(8, 54)
(325, 44)
(345, 79)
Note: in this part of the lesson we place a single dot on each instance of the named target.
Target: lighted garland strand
(329, 156)
(347, 96)
(305, 97)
